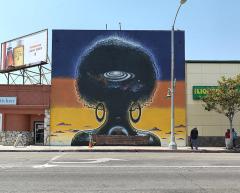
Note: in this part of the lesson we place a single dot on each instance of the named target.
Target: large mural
(111, 86)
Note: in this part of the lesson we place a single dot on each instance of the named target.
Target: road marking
(57, 157)
(126, 166)
(89, 161)
(84, 163)
(47, 165)
(53, 163)
(7, 166)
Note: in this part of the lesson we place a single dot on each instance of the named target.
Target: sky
(212, 29)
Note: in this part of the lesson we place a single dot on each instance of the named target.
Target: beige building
(211, 125)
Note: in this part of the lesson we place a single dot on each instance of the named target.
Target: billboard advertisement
(111, 86)
(25, 51)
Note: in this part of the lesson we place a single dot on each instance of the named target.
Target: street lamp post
(172, 144)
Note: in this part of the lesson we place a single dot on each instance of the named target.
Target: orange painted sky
(63, 94)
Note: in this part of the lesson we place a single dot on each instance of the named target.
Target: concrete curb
(130, 150)
(126, 151)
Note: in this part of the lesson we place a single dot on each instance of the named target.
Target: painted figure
(117, 77)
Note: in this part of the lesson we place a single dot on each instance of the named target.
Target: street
(119, 172)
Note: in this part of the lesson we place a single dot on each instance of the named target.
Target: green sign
(201, 91)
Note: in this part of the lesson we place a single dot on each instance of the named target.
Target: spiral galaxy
(118, 76)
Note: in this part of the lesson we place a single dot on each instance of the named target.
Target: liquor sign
(24, 51)
(201, 91)
(8, 100)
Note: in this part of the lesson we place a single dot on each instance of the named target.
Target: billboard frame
(26, 76)
(24, 66)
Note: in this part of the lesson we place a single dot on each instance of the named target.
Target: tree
(225, 99)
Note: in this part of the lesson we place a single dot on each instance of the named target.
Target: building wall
(95, 84)
(27, 95)
(211, 125)
(17, 122)
(32, 101)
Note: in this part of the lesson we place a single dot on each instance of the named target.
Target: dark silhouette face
(116, 73)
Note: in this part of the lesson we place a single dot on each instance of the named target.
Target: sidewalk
(33, 148)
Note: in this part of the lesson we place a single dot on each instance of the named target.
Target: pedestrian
(227, 139)
(234, 133)
(194, 138)
(190, 143)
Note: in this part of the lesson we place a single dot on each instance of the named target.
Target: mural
(112, 85)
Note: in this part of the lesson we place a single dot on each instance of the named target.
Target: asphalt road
(119, 172)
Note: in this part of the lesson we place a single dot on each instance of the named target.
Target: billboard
(24, 52)
(112, 85)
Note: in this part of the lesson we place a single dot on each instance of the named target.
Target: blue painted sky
(69, 46)
(212, 30)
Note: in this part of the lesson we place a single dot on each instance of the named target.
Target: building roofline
(214, 61)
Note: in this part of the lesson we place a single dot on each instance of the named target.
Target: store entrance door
(39, 133)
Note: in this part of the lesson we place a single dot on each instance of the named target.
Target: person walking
(227, 139)
(194, 138)
(234, 137)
